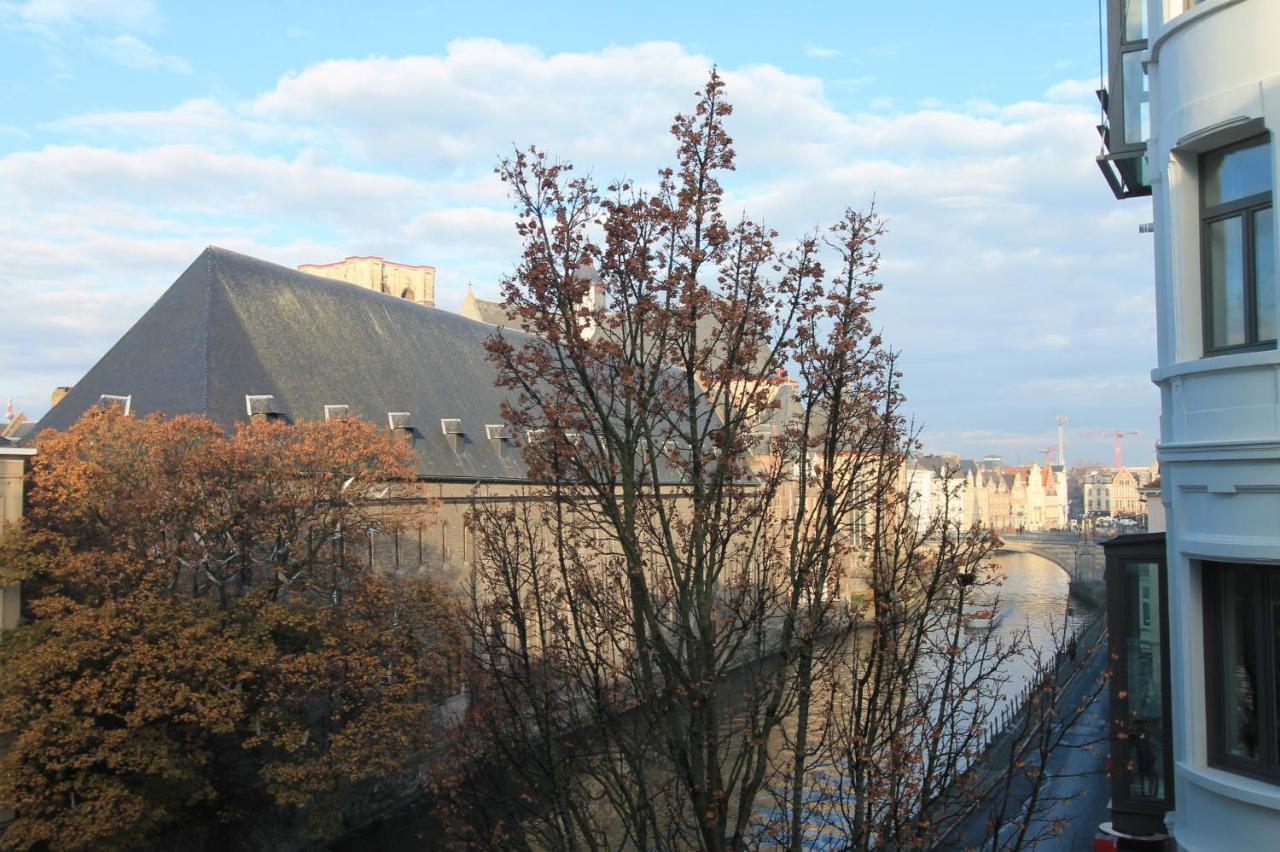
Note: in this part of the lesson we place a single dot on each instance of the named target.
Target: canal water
(1034, 599)
(1035, 594)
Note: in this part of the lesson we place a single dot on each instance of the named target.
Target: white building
(935, 486)
(1213, 77)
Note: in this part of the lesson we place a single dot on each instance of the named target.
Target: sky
(133, 133)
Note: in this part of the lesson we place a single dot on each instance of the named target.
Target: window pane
(1145, 682)
(1264, 271)
(1225, 265)
(1240, 734)
(1275, 638)
(1236, 174)
(1135, 20)
(1134, 79)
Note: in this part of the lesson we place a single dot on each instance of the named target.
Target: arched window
(407, 293)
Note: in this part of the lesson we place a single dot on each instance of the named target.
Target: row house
(1031, 498)
(1114, 492)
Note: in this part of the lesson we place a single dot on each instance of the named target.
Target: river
(1034, 598)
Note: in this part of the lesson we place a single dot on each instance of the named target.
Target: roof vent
(451, 426)
(111, 400)
(399, 420)
(261, 407)
(337, 412)
(497, 432)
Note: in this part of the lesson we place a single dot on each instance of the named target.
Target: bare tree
(713, 602)
(1029, 795)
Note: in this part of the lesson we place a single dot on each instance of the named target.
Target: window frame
(1123, 163)
(1118, 47)
(1246, 209)
(1267, 768)
(1134, 813)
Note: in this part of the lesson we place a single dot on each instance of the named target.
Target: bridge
(1080, 557)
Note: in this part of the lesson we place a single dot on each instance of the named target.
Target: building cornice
(1183, 20)
(1212, 451)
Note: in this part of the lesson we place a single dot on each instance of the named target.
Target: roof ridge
(208, 322)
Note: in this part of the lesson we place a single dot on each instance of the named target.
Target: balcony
(1126, 118)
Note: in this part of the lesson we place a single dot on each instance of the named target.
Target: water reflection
(1033, 598)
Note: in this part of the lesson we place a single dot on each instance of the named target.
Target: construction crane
(1048, 452)
(1063, 420)
(1117, 435)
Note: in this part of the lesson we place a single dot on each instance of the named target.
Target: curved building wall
(1214, 76)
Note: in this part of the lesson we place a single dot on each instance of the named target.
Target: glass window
(1225, 268)
(1242, 609)
(1135, 20)
(1238, 247)
(1136, 116)
(1240, 665)
(1264, 266)
(1144, 680)
(1237, 172)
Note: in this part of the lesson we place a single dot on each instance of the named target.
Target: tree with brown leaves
(207, 652)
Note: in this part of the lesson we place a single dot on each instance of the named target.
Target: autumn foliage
(207, 647)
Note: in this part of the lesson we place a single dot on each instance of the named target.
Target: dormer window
(1237, 247)
(122, 402)
(337, 412)
(261, 407)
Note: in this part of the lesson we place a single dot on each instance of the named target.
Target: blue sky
(133, 133)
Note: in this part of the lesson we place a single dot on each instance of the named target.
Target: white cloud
(132, 52)
(1073, 90)
(1014, 283)
(820, 52)
(53, 15)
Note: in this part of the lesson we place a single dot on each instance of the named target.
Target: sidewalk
(1077, 769)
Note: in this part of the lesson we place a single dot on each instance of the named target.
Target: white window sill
(1239, 787)
(1215, 363)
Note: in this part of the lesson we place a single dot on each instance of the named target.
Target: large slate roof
(233, 325)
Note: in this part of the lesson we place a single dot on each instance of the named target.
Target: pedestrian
(1071, 649)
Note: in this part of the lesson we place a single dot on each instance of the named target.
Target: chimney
(58, 393)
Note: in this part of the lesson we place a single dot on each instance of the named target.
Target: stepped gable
(485, 310)
(233, 325)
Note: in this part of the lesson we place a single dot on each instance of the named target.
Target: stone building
(415, 283)
(235, 337)
(1032, 498)
(13, 465)
(1110, 491)
(484, 310)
